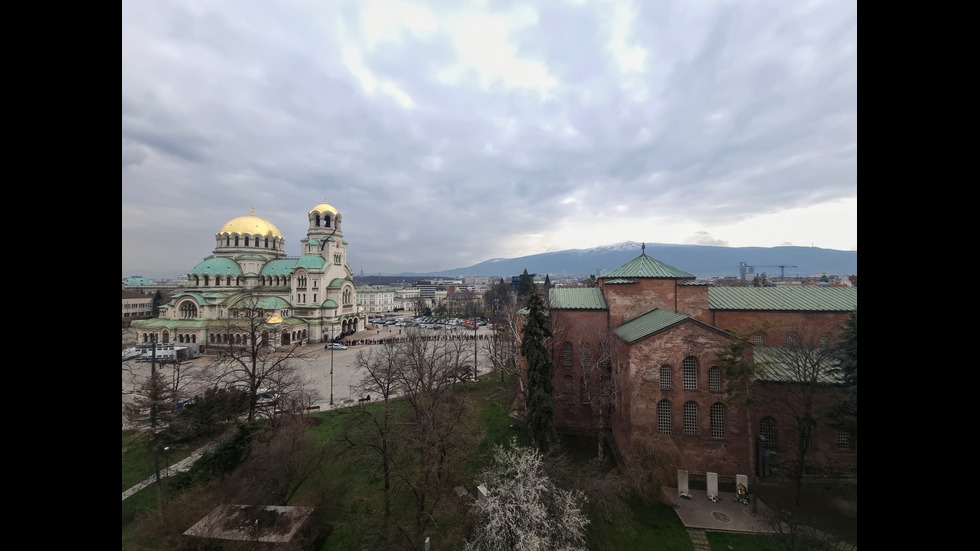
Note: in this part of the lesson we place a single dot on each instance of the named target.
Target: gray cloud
(589, 117)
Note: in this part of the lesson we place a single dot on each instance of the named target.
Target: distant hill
(701, 260)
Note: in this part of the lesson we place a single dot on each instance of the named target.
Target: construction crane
(782, 269)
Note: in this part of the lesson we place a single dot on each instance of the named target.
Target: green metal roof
(279, 266)
(618, 281)
(329, 303)
(773, 361)
(336, 283)
(264, 303)
(196, 296)
(648, 324)
(311, 262)
(809, 299)
(217, 266)
(645, 266)
(577, 298)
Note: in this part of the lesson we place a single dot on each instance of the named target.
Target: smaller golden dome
(252, 225)
(274, 320)
(324, 207)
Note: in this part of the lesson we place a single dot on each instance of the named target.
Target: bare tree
(799, 376)
(598, 386)
(252, 357)
(280, 461)
(372, 428)
(656, 458)
(442, 424)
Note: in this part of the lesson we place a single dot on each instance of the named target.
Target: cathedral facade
(309, 299)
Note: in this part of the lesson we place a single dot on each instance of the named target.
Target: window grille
(714, 379)
(691, 418)
(664, 419)
(690, 373)
(665, 378)
(717, 420)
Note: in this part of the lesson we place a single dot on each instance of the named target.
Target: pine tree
(540, 371)
(524, 288)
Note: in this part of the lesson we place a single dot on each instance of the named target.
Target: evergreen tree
(845, 410)
(157, 301)
(524, 288)
(540, 372)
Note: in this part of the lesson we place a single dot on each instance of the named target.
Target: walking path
(180, 466)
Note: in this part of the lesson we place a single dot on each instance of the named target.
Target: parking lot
(315, 367)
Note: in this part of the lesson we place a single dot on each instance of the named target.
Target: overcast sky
(451, 132)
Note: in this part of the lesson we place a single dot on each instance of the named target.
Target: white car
(335, 346)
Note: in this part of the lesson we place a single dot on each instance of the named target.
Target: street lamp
(166, 453)
(331, 364)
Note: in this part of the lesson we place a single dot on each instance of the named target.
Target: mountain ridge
(703, 261)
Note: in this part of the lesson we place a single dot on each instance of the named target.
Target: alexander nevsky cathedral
(309, 299)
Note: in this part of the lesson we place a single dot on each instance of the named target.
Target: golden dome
(252, 225)
(324, 207)
(274, 320)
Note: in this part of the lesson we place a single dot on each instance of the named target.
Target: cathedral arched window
(188, 310)
(566, 354)
(586, 354)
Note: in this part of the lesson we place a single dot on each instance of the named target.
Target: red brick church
(637, 355)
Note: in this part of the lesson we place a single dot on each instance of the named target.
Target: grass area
(347, 489)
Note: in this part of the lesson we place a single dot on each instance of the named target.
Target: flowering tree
(524, 509)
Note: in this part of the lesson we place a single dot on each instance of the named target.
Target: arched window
(756, 339)
(586, 355)
(714, 379)
(792, 339)
(246, 241)
(188, 310)
(717, 420)
(567, 388)
(767, 429)
(691, 418)
(583, 391)
(844, 440)
(236, 240)
(666, 374)
(690, 373)
(664, 419)
(566, 354)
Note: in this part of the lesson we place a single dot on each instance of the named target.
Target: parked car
(335, 346)
(266, 398)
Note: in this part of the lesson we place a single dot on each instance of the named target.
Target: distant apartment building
(376, 299)
(136, 305)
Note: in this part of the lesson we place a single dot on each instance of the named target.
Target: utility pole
(475, 327)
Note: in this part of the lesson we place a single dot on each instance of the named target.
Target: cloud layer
(448, 133)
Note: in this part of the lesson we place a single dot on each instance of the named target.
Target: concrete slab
(725, 515)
